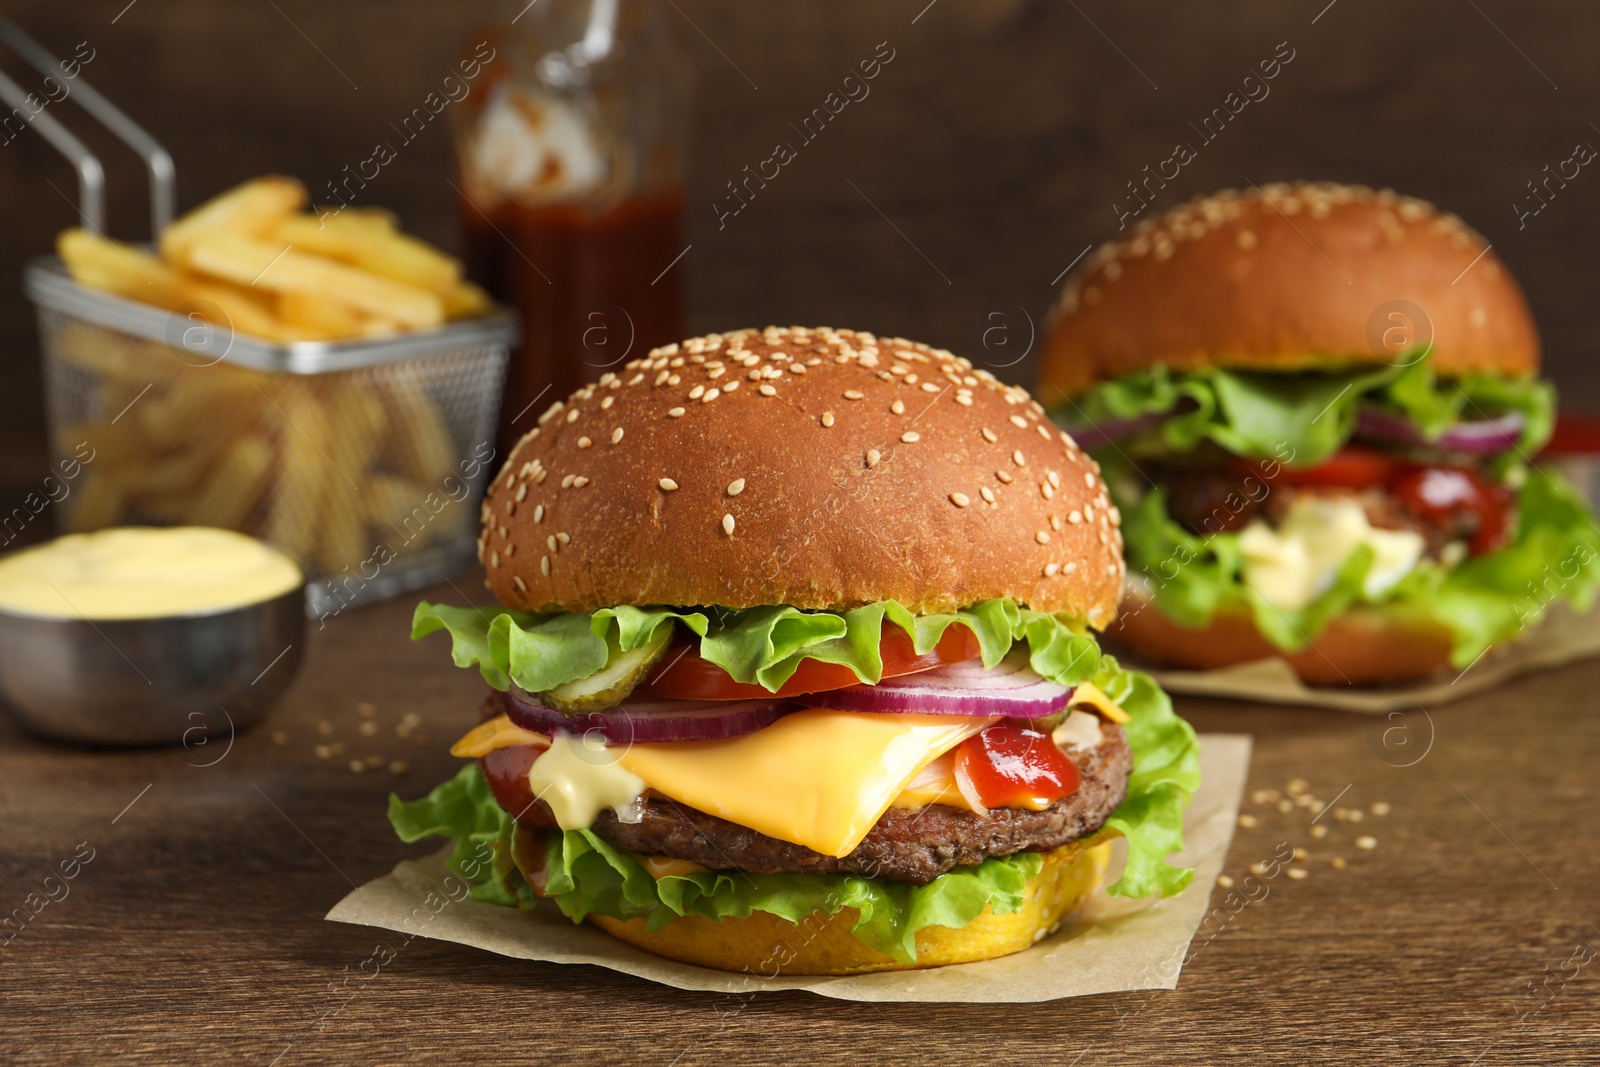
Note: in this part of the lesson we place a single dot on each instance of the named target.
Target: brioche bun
(767, 945)
(1290, 277)
(821, 468)
(1363, 646)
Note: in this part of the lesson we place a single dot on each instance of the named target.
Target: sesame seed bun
(1363, 646)
(765, 944)
(1287, 278)
(819, 468)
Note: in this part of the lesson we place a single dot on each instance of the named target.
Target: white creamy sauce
(579, 779)
(1079, 729)
(1291, 565)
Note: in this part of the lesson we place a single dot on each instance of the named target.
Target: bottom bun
(1364, 646)
(761, 943)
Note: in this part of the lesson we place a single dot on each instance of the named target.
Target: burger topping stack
(1316, 406)
(797, 625)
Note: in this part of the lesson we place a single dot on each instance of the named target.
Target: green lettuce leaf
(587, 876)
(1304, 417)
(540, 652)
(1166, 772)
(464, 810)
(1554, 555)
(762, 645)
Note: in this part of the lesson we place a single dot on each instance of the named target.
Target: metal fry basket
(364, 459)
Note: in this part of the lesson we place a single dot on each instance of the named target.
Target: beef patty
(906, 845)
(1209, 501)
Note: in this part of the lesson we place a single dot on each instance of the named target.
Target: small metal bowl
(162, 681)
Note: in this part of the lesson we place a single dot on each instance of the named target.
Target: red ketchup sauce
(1010, 763)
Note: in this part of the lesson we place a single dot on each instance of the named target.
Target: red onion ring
(1107, 430)
(647, 721)
(1482, 437)
(1010, 688)
(1097, 434)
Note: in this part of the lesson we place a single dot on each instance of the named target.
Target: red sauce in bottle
(592, 287)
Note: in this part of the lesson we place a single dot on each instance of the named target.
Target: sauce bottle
(571, 168)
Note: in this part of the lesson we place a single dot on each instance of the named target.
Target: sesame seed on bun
(1289, 277)
(818, 468)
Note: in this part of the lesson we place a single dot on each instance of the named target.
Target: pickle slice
(1047, 723)
(611, 684)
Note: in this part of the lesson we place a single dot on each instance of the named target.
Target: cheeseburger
(795, 669)
(1316, 406)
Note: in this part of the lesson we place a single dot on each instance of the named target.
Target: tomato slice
(1435, 494)
(684, 675)
(506, 770)
(1440, 493)
(1010, 764)
(1575, 435)
(1352, 467)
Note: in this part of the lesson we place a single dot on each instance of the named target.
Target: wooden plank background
(988, 156)
(996, 142)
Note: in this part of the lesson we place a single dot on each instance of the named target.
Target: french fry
(133, 273)
(372, 244)
(465, 301)
(251, 208)
(231, 491)
(202, 409)
(375, 217)
(103, 353)
(373, 329)
(355, 411)
(117, 445)
(421, 450)
(357, 421)
(118, 268)
(166, 476)
(320, 319)
(279, 268)
(293, 519)
(393, 508)
(99, 505)
(343, 542)
(250, 261)
(240, 310)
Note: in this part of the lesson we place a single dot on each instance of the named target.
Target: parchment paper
(1109, 945)
(1563, 637)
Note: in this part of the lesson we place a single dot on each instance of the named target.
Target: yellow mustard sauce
(141, 572)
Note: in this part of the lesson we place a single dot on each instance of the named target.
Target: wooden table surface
(195, 931)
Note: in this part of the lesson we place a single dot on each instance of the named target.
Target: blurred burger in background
(794, 666)
(1316, 405)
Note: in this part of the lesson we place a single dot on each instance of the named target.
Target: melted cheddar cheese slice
(498, 732)
(819, 778)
